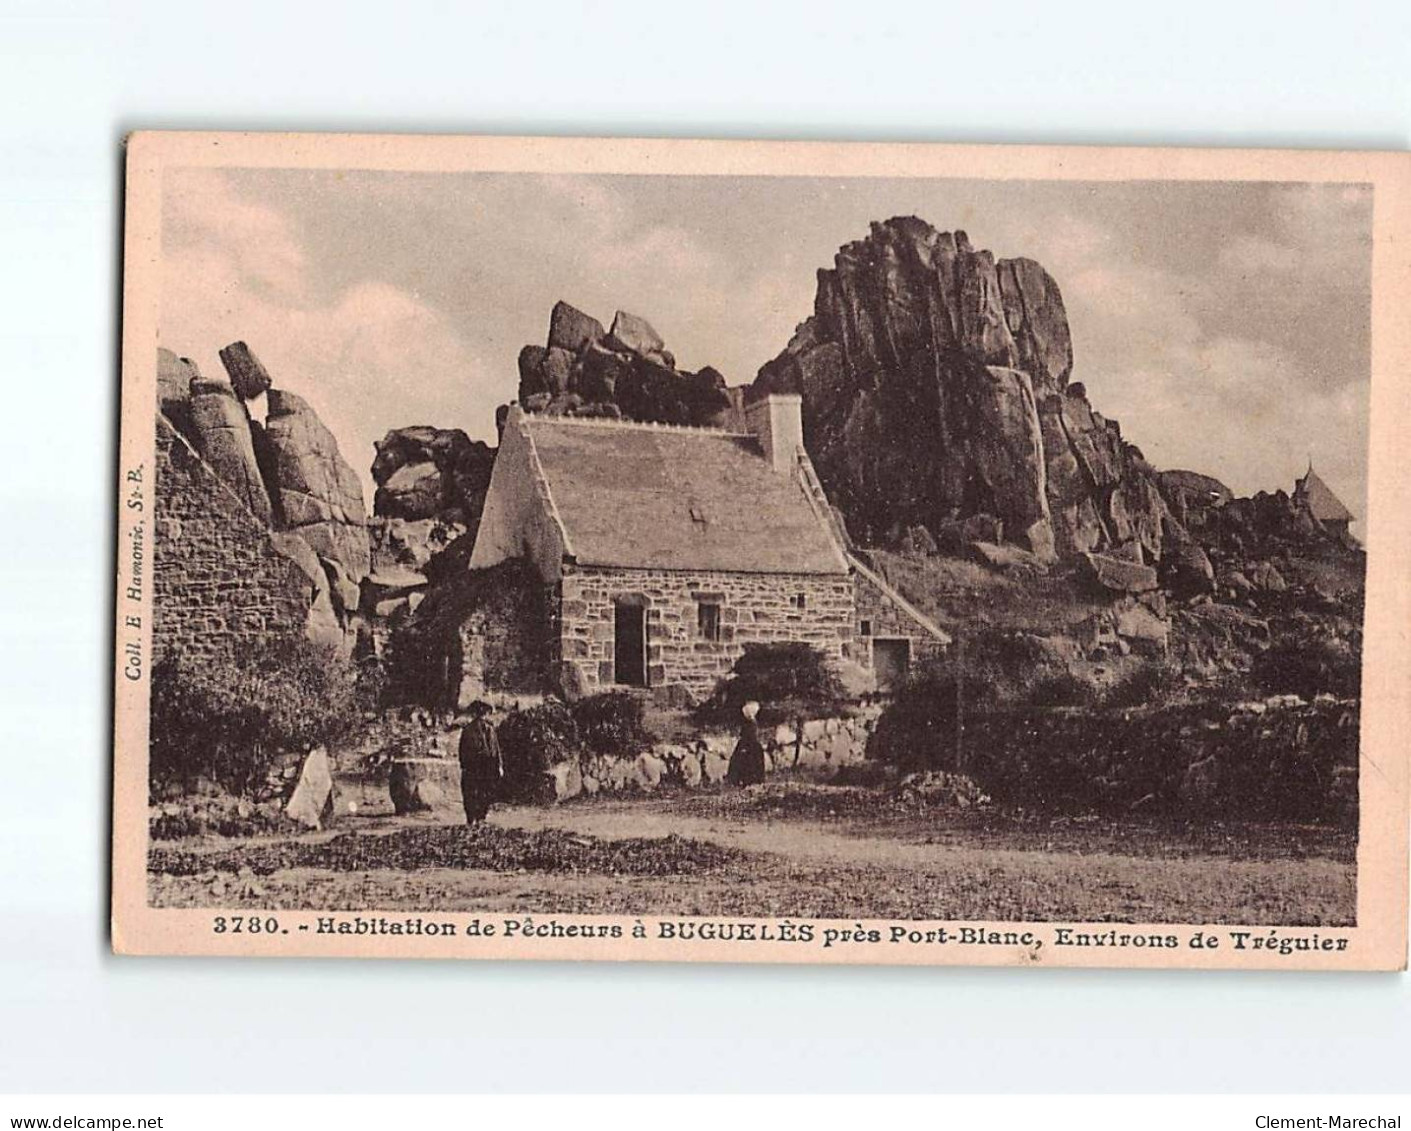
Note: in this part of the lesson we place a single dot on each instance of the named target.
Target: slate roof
(656, 497)
(1321, 502)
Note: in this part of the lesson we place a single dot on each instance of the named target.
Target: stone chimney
(777, 419)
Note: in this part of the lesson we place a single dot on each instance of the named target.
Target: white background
(75, 77)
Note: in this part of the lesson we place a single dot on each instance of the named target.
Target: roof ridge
(632, 425)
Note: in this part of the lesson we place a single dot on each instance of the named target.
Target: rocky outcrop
(431, 486)
(223, 434)
(174, 377)
(315, 492)
(937, 388)
(424, 472)
(291, 497)
(626, 371)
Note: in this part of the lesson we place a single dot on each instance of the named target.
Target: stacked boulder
(431, 487)
(623, 371)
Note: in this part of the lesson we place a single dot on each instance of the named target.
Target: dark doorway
(629, 649)
(891, 661)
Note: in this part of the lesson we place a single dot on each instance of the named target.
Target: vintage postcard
(763, 552)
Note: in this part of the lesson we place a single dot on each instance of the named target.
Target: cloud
(369, 357)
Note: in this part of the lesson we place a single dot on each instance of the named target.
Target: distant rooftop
(1321, 502)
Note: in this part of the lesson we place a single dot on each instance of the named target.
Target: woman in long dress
(747, 763)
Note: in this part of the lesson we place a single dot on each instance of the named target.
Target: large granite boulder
(413, 491)
(1008, 455)
(632, 334)
(316, 493)
(249, 378)
(221, 431)
(936, 385)
(324, 625)
(1118, 575)
(431, 487)
(1186, 570)
(572, 330)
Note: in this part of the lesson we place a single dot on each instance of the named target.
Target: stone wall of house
(884, 617)
(754, 608)
(219, 580)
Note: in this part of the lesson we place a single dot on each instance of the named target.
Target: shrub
(788, 680)
(1061, 689)
(1149, 684)
(1307, 668)
(611, 723)
(917, 731)
(531, 741)
(225, 718)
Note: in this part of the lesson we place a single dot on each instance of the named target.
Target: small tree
(788, 680)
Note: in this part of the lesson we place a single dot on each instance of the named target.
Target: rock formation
(287, 473)
(174, 377)
(316, 493)
(625, 371)
(431, 485)
(223, 435)
(936, 388)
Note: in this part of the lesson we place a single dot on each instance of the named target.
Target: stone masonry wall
(816, 747)
(218, 580)
(885, 618)
(754, 608)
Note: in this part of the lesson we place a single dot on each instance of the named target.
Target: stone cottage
(664, 550)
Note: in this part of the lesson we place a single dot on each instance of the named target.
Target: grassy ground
(784, 849)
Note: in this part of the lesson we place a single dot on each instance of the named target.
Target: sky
(1225, 324)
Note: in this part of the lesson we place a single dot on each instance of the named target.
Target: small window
(864, 627)
(800, 600)
(708, 620)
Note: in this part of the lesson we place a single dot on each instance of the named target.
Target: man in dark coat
(747, 763)
(482, 767)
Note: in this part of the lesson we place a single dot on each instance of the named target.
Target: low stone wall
(818, 745)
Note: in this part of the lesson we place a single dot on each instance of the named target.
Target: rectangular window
(864, 628)
(800, 600)
(708, 620)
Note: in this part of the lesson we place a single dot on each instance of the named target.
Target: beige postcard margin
(1378, 942)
